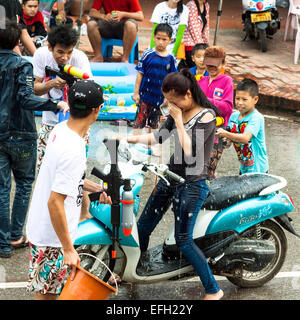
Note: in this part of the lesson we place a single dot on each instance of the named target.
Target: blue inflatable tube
(112, 69)
(115, 77)
(118, 82)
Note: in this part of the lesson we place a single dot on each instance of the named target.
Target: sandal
(5, 253)
(113, 280)
(24, 243)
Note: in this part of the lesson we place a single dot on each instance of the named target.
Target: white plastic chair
(296, 25)
(292, 25)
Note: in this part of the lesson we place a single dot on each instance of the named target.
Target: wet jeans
(187, 200)
(17, 156)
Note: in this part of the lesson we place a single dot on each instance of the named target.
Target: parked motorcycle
(261, 20)
(239, 228)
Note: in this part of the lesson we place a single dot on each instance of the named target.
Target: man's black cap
(85, 94)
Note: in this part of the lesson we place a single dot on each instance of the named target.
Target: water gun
(67, 72)
(113, 180)
(220, 124)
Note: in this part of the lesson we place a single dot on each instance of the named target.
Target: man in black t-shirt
(13, 10)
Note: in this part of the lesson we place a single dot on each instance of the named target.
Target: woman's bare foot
(97, 59)
(215, 296)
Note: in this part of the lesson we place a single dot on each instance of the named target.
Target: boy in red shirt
(119, 21)
(33, 18)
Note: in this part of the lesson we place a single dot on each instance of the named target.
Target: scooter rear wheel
(263, 40)
(270, 231)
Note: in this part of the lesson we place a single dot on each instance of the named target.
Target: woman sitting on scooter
(192, 122)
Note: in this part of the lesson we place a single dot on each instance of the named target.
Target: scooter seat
(227, 191)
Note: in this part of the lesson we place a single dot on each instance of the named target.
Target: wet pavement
(283, 144)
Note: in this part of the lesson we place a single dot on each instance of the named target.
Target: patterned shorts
(215, 157)
(44, 133)
(46, 270)
(147, 115)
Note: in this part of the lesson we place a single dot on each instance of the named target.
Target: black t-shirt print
(80, 191)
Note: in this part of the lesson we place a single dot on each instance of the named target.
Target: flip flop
(112, 280)
(24, 243)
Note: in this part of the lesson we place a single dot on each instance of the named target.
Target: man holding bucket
(55, 208)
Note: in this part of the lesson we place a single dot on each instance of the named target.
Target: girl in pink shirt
(218, 88)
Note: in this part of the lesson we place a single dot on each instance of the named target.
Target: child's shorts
(113, 30)
(215, 157)
(46, 270)
(147, 115)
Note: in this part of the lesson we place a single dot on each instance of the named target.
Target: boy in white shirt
(56, 202)
(175, 14)
(60, 50)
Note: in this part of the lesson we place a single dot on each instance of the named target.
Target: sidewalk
(274, 70)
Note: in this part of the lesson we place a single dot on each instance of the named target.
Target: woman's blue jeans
(17, 156)
(187, 201)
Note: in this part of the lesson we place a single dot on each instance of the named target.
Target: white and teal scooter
(239, 228)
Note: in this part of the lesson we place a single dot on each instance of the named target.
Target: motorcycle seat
(227, 191)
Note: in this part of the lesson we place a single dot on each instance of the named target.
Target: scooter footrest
(154, 263)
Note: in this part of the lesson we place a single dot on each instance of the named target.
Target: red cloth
(31, 20)
(119, 5)
(188, 48)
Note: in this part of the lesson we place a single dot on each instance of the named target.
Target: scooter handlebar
(174, 176)
(161, 171)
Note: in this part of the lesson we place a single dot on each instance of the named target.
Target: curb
(271, 98)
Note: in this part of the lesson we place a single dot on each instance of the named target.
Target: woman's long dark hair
(183, 81)
(179, 7)
(202, 14)
(198, 7)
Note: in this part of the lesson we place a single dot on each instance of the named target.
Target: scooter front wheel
(102, 252)
(269, 231)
